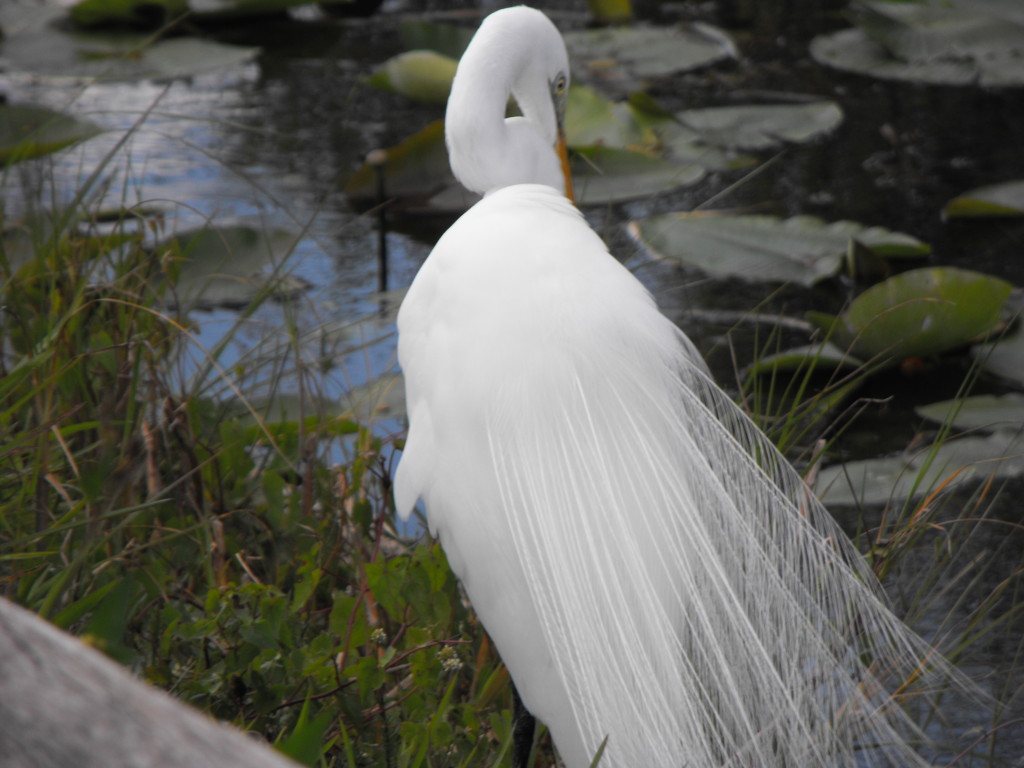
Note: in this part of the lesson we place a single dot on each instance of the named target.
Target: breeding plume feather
(649, 567)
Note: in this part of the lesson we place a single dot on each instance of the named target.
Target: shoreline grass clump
(217, 552)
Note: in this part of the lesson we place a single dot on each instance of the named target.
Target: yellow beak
(563, 156)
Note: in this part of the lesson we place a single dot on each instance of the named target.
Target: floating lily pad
(51, 52)
(625, 58)
(899, 478)
(447, 39)
(28, 131)
(685, 145)
(421, 75)
(998, 200)
(802, 250)
(133, 13)
(920, 312)
(153, 14)
(251, 8)
(978, 412)
(592, 120)
(826, 357)
(416, 169)
(639, 124)
(610, 11)
(933, 42)
(605, 175)
(763, 126)
(229, 266)
(1004, 357)
(384, 397)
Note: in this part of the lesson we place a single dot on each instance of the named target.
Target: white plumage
(648, 566)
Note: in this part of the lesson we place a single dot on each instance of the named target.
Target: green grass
(220, 554)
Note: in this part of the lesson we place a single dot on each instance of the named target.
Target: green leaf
(349, 611)
(305, 586)
(610, 11)
(921, 312)
(230, 266)
(639, 124)
(51, 52)
(978, 412)
(248, 8)
(1004, 357)
(422, 75)
(997, 200)
(79, 608)
(107, 626)
(386, 581)
(940, 42)
(27, 132)
(304, 743)
(447, 39)
(604, 175)
(679, 142)
(591, 119)
(384, 397)
(763, 126)
(369, 676)
(802, 249)
(133, 13)
(825, 357)
(417, 169)
(897, 479)
(641, 53)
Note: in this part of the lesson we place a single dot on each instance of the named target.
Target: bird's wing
(693, 600)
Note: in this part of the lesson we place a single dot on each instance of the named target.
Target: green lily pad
(132, 13)
(51, 52)
(422, 75)
(625, 58)
(939, 42)
(978, 412)
(610, 11)
(416, 169)
(826, 357)
(605, 175)
(763, 126)
(27, 131)
(997, 200)
(899, 478)
(447, 39)
(1003, 357)
(384, 397)
(592, 120)
(154, 14)
(417, 172)
(229, 266)
(639, 124)
(920, 312)
(802, 250)
(250, 8)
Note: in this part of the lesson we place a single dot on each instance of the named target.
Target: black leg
(523, 727)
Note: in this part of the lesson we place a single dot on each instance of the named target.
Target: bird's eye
(560, 84)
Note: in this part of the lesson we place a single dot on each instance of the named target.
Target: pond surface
(273, 142)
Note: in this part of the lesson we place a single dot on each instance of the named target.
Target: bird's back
(507, 348)
(648, 566)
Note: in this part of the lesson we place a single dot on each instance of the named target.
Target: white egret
(648, 566)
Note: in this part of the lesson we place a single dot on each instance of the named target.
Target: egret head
(518, 52)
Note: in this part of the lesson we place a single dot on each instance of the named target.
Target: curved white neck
(511, 54)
